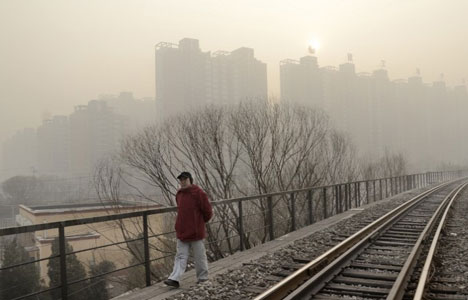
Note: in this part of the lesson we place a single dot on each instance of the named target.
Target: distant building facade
(20, 153)
(53, 146)
(138, 112)
(419, 120)
(39, 243)
(95, 131)
(70, 145)
(187, 77)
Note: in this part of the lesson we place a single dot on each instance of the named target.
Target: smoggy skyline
(56, 54)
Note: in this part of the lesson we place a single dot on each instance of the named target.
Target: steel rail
(398, 289)
(423, 279)
(322, 265)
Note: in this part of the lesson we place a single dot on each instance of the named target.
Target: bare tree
(389, 165)
(252, 148)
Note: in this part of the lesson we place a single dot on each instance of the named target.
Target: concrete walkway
(160, 291)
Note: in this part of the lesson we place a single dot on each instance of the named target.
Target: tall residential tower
(187, 77)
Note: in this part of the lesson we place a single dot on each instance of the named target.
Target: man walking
(193, 211)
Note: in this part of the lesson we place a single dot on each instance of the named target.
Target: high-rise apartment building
(20, 153)
(187, 77)
(95, 131)
(301, 81)
(53, 146)
(249, 79)
(139, 112)
(69, 145)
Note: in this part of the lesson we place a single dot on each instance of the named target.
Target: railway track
(378, 261)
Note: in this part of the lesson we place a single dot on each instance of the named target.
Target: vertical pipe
(146, 246)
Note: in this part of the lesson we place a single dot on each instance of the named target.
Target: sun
(314, 46)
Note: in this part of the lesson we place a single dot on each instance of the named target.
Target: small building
(81, 237)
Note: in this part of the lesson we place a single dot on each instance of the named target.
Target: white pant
(181, 257)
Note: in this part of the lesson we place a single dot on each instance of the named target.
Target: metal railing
(317, 202)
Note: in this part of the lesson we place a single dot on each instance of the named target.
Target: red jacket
(193, 211)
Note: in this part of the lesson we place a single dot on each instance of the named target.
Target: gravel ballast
(232, 283)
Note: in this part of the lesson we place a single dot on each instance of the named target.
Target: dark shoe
(170, 282)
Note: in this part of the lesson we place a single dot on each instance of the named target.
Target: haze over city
(56, 55)
(122, 120)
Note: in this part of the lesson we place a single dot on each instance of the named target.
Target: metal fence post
(310, 204)
(337, 200)
(392, 186)
(241, 227)
(380, 189)
(386, 187)
(325, 203)
(345, 187)
(270, 217)
(350, 196)
(340, 199)
(357, 198)
(367, 192)
(63, 263)
(146, 246)
(293, 212)
(374, 192)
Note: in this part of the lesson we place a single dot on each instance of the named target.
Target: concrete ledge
(160, 291)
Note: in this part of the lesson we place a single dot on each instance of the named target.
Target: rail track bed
(255, 277)
(382, 260)
(449, 273)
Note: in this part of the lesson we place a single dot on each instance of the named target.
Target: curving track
(378, 261)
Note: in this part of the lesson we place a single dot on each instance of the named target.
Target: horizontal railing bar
(118, 243)
(84, 221)
(36, 293)
(87, 278)
(75, 222)
(28, 262)
(103, 246)
(113, 271)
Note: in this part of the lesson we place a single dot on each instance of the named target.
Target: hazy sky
(55, 54)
